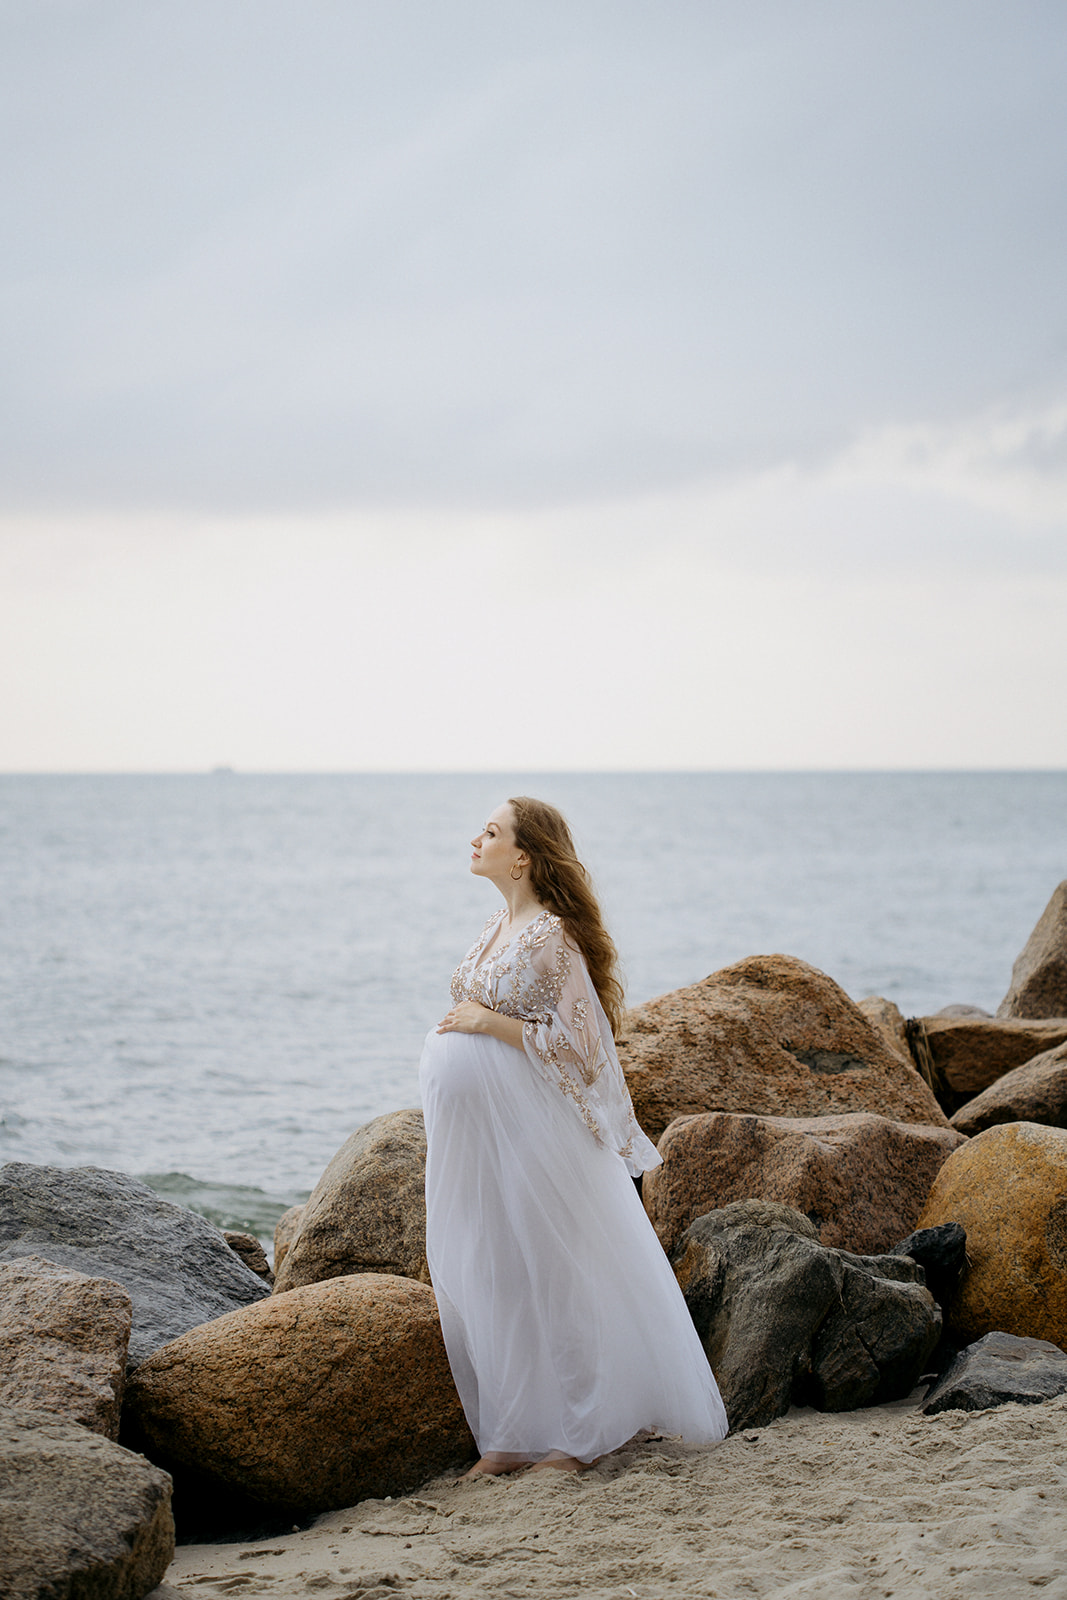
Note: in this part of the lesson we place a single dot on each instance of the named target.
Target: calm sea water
(213, 979)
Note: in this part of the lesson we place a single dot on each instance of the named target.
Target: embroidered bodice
(541, 977)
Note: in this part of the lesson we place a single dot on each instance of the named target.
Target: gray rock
(1039, 976)
(941, 1252)
(176, 1268)
(787, 1321)
(63, 1343)
(79, 1516)
(997, 1370)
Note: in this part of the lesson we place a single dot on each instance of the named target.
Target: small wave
(237, 1206)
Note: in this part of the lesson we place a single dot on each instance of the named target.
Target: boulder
(251, 1252)
(772, 1036)
(941, 1252)
(889, 1021)
(367, 1213)
(963, 1010)
(79, 1516)
(176, 1268)
(1008, 1188)
(861, 1180)
(284, 1234)
(967, 1054)
(1034, 1092)
(786, 1321)
(308, 1401)
(998, 1370)
(63, 1342)
(1039, 976)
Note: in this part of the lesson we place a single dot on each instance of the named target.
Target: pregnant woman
(565, 1327)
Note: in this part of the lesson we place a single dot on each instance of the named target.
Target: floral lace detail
(540, 977)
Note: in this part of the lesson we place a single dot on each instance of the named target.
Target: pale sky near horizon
(533, 384)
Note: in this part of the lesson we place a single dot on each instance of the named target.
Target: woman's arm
(470, 1017)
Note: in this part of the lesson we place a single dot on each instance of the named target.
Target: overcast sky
(571, 383)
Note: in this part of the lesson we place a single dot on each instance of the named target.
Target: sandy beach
(871, 1503)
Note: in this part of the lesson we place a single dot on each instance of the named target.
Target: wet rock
(308, 1401)
(999, 1370)
(367, 1213)
(786, 1321)
(1007, 1187)
(284, 1234)
(1034, 1092)
(861, 1179)
(967, 1054)
(1039, 976)
(63, 1342)
(176, 1268)
(79, 1516)
(771, 1036)
(251, 1252)
(941, 1252)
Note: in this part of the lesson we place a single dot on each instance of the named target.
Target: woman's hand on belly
(470, 1017)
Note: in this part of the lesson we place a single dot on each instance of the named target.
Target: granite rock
(942, 1254)
(859, 1178)
(1039, 976)
(1007, 1187)
(251, 1252)
(284, 1234)
(63, 1343)
(786, 1321)
(308, 1401)
(771, 1036)
(967, 1054)
(367, 1213)
(176, 1268)
(1034, 1092)
(998, 1370)
(80, 1517)
(889, 1021)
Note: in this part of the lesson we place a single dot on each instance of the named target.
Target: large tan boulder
(1034, 1092)
(1008, 1189)
(967, 1054)
(367, 1213)
(860, 1179)
(307, 1401)
(771, 1035)
(80, 1517)
(63, 1343)
(1039, 976)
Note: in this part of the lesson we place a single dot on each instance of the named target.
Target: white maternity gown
(565, 1327)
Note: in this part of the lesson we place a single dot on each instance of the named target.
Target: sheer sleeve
(568, 1039)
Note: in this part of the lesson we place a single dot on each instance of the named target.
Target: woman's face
(495, 850)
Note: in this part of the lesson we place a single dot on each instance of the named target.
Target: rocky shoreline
(853, 1202)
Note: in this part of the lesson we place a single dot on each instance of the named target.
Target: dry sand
(866, 1504)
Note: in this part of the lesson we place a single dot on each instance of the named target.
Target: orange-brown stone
(860, 1179)
(309, 1400)
(1008, 1189)
(772, 1036)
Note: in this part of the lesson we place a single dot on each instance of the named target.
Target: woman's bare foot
(561, 1464)
(493, 1467)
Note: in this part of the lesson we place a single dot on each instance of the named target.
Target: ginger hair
(563, 887)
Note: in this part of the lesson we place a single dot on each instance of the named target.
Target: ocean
(211, 980)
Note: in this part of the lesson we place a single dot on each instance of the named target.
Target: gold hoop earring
(516, 879)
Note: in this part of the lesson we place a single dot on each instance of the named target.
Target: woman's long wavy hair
(562, 885)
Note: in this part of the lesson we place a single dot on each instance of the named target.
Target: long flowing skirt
(565, 1327)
